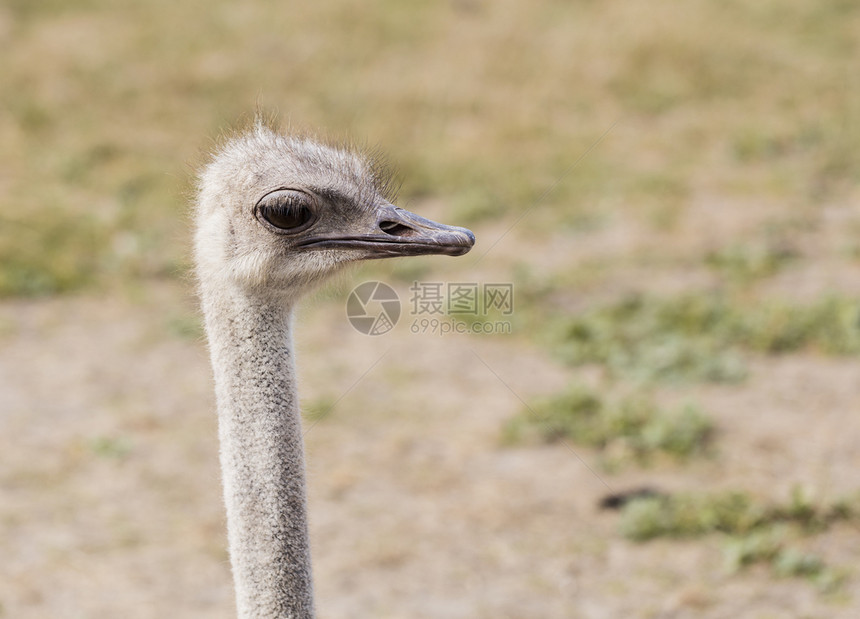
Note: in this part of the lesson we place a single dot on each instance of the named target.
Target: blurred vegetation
(318, 408)
(188, 326)
(109, 447)
(757, 532)
(700, 336)
(106, 106)
(689, 515)
(770, 547)
(743, 264)
(633, 428)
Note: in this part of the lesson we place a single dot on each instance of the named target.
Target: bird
(275, 214)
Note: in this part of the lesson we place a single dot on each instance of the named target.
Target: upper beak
(397, 232)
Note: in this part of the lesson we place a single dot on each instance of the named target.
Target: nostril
(395, 228)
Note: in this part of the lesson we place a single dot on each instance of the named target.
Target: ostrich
(275, 215)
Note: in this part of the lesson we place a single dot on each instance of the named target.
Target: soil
(112, 507)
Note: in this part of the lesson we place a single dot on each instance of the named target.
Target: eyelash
(285, 210)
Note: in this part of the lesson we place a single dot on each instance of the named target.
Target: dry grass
(483, 104)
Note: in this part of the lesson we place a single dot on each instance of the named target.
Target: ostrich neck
(262, 458)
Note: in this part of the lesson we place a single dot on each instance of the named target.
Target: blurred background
(669, 429)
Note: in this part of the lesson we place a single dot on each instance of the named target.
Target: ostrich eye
(285, 210)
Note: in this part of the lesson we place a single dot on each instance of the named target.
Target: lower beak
(401, 233)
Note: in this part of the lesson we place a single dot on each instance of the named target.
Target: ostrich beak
(397, 232)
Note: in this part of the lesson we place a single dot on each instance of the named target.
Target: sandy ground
(111, 501)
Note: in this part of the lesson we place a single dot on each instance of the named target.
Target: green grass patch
(318, 408)
(749, 262)
(757, 532)
(186, 326)
(112, 448)
(702, 336)
(49, 254)
(773, 547)
(630, 428)
(736, 513)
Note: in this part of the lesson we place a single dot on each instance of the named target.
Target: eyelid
(288, 200)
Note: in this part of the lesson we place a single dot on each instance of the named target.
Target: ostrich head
(278, 213)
